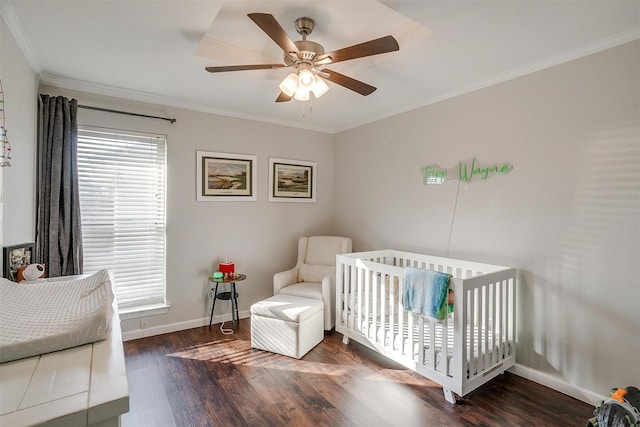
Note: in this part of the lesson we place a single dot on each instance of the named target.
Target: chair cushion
(311, 290)
(322, 250)
(315, 273)
(287, 307)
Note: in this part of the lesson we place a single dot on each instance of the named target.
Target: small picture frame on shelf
(292, 180)
(226, 177)
(14, 257)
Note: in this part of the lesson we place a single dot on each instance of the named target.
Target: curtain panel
(58, 227)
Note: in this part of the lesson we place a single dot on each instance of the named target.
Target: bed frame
(81, 386)
(475, 343)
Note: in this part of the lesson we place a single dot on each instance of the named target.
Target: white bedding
(43, 317)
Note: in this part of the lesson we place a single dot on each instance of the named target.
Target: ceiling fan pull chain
(304, 107)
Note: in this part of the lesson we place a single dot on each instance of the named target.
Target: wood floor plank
(200, 377)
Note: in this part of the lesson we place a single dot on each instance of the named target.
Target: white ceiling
(156, 51)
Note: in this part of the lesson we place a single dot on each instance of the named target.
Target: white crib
(475, 343)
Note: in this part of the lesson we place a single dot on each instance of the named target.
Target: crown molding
(17, 30)
(604, 44)
(165, 101)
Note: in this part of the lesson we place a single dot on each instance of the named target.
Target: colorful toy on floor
(621, 409)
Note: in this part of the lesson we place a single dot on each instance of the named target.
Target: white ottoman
(287, 325)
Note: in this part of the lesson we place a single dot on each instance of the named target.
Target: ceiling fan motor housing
(308, 48)
(304, 26)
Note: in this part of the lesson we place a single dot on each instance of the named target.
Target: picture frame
(226, 177)
(14, 257)
(292, 180)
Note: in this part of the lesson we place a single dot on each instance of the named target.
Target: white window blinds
(122, 203)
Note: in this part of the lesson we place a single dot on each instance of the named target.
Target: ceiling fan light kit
(289, 85)
(308, 58)
(301, 94)
(302, 84)
(319, 87)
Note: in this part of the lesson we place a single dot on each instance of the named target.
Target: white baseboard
(557, 384)
(180, 326)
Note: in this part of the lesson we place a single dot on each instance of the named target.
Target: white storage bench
(287, 325)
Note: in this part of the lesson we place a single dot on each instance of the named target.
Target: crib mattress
(42, 317)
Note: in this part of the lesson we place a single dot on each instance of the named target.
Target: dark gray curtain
(58, 228)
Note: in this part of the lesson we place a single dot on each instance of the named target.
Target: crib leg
(345, 340)
(449, 396)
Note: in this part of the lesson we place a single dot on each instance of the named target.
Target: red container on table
(228, 269)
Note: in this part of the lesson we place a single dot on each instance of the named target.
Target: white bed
(78, 376)
(472, 345)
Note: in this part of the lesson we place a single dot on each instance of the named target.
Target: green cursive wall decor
(465, 172)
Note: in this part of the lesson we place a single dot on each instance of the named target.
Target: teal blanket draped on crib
(425, 292)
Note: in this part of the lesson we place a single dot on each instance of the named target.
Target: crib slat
(408, 342)
(345, 295)
(444, 351)
(494, 313)
(400, 318)
(367, 319)
(492, 321)
(352, 296)
(506, 319)
(374, 319)
(339, 299)
(481, 362)
(392, 313)
(359, 299)
(420, 343)
(512, 320)
(383, 304)
(469, 327)
(477, 330)
(498, 326)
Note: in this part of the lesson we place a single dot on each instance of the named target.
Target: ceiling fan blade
(372, 47)
(273, 29)
(283, 97)
(348, 82)
(243, 67)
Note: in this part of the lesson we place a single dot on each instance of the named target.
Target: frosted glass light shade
(305, 78)
(319, 87)
(302, 94)
(289, 84)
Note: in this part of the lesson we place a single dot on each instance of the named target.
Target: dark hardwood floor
(200, 377)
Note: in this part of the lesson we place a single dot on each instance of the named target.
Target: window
(122, 204)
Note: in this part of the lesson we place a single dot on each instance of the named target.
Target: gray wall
(259, 237)
(20, 87)
(568, 216)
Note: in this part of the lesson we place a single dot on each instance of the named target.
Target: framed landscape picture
(15, 257)
(292, 180)
(225, 177)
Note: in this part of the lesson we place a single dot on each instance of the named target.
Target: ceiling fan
(308, 58)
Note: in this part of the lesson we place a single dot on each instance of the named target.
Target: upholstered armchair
(315, 273)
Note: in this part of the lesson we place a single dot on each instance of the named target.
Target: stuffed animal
(30, 272)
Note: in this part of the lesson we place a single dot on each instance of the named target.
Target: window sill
(146, 311)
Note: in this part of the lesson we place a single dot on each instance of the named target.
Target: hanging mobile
(5, 147)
